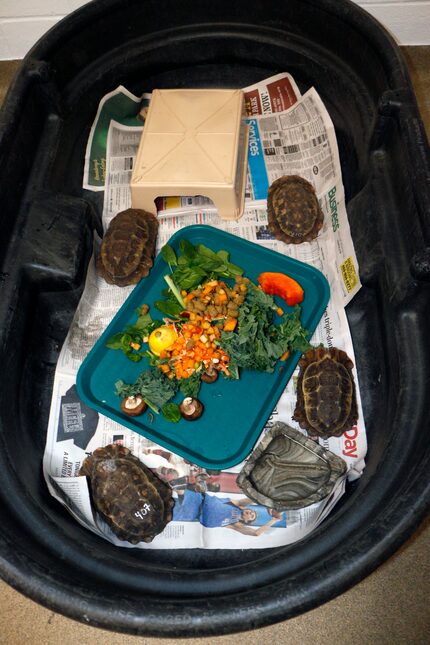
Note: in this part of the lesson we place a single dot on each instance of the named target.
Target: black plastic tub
(46, 237)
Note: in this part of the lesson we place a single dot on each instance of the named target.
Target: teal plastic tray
(235, 411)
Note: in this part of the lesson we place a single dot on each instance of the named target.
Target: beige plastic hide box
(194, 143)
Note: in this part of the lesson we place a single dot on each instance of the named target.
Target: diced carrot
(194, 346)
(284, 356)
(220, 299)
(279, 311)
(209, 287)
(230, 324)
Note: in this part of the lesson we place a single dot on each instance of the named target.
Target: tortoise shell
(133, 501)
(128, 247)
(289, 471)
(326, 401)
(294, 214)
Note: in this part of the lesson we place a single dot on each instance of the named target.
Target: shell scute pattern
(326, 400)
(133, 501)
(128, 247)
(294, 214)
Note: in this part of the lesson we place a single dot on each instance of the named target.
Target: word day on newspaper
(290, 133)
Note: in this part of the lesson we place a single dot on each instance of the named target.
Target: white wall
(22, 22)
(407, 20)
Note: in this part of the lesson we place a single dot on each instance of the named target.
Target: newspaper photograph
(291, 134)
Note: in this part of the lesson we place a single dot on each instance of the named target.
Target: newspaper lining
(290, 134)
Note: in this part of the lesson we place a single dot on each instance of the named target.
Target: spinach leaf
(168, 254)
(144, 321)
(115, 341)
(169, 307)
(187, 249)
(187, 277)
(224, 255)
(208, 264)
(233, 270)
(135, 333)
(192, 267)
(171, 412)
(125, 346)
(135, 357)
(205, 251)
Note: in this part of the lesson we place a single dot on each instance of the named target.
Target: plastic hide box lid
(194, 143)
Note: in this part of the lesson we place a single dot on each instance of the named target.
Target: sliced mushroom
(133, 405)
(210, 375)
(191, 408)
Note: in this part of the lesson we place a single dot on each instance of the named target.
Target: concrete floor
(389, 607)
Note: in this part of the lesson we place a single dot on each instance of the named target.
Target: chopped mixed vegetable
(216, 322)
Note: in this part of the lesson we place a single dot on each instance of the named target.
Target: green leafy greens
(152, 385)
(260, 339)
(171, 412)
(259, 342)
(193, 265)
(143, 326)
(191, 386)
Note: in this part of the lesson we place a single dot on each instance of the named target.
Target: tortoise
(133, 501)
(128, 247)
(326, 403)
(294, 214)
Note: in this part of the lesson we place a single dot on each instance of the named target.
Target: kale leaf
(152, 385)
(191, 386)
(259, 342)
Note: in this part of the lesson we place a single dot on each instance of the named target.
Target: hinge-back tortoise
(326, 401)
(133, 501)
